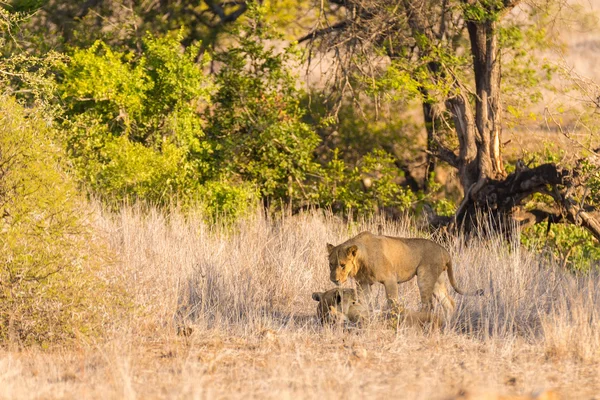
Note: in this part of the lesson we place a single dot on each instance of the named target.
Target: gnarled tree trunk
(486, 66)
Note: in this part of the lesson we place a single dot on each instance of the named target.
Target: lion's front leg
(391, 292)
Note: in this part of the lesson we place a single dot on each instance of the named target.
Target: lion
(342, 306)
(339, 306)
(370, 258)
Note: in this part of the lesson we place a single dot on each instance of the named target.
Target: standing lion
(370, 258)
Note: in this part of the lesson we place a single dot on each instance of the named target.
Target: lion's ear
(330, 247)
(351, 251)
(317, 296)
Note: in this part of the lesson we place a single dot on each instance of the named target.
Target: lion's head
(337, 306)
(342, 262)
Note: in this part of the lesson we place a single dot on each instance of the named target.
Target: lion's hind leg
(426, 280)
(440, 292)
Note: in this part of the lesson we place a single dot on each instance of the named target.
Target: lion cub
(341, 306)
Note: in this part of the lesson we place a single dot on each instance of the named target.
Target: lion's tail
(478, 292)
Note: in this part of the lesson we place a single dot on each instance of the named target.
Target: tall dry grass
(244, 294)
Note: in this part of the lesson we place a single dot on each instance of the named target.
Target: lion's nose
(337, 282)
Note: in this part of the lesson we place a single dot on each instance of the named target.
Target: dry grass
(246, 294)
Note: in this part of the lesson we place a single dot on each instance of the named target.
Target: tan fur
(420, 319)
(342, 305)
(370, 258)
(338, 306)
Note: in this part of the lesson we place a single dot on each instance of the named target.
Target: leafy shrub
(256, 122)
(364, 188)
(134, 128)
(572, 246)
(225, 201)
(151, 127)
(50, 289)
(132, 124)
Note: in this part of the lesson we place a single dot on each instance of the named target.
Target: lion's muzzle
(338, 277)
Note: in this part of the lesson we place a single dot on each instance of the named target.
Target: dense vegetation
(205, 107)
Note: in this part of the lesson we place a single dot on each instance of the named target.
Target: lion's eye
(343, 265)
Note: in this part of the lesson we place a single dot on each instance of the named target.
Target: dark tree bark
(432, 125)
(502, 200)
(488, 106)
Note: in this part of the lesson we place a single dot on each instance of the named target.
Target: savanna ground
(244, 293)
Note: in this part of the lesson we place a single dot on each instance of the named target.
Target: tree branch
(322, 32)
(445, 154)
(218, 10)
(578, 216)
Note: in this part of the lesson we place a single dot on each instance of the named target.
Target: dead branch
(324, 31)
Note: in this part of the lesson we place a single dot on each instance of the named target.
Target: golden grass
(245, 294)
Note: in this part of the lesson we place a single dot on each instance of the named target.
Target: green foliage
(444, 206)
(50, 288)
(483, 10)
(224, 201)
(365, 188)
(22, 75)
(60, 24)
(359, 132)
(118, 168)
(406, 79)
(135, 129)
(571, 245)
(592, 181)
(24, 6)
(397, 83)
(132, 124)
(525, 73)
(549, 154)
(256, 123)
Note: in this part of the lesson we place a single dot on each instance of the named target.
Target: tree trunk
(464, 124)
(430, 127)
(488, 109)
(480, 158)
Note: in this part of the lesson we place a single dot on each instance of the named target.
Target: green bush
(135, 131)
(153, 127)
(571, 245)
(132, 123)
(256, 122)
(224, 201)
(50, 289)
(364, 188)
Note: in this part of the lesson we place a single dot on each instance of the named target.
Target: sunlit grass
(243, 294)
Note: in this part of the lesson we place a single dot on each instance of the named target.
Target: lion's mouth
(341, 281)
